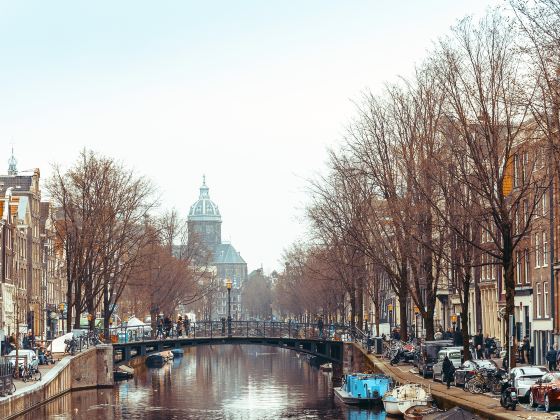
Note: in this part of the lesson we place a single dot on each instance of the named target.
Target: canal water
(217, 382)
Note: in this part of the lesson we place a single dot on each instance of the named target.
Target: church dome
(204, 208)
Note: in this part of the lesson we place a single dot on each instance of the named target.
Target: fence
(7, 386)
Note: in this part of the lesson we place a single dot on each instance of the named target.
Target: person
(487, 347)
(186, 323)
(320, 327)
(478, 341)
(42, 356)
(159, 328)
(551, 359)
(526, 348)
(396, 334)
(180, 326)
(457, 337)
(168, 325)
(505, 362)
(28, 341)
(448, 370)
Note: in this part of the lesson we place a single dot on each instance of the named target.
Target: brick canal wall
(92, 368)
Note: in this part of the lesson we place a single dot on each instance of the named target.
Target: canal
(218, 382)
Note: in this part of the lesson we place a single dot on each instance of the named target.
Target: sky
(250, 94)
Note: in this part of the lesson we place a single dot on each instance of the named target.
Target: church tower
(204, 221)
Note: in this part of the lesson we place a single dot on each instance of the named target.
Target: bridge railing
(216, 329)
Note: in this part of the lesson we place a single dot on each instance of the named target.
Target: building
(204, 225)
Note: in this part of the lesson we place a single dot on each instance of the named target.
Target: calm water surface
(217, 382)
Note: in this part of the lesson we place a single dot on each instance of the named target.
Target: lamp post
(416, 312)
(390, 308)
(228, 286)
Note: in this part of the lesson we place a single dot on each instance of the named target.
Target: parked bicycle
(71, 346)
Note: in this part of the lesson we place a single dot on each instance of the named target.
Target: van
(428, 355)
(454, 355)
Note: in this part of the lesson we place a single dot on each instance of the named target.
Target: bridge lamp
(228, 287)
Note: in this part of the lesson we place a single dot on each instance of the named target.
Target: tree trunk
(465, 315)
(403, 298)
(509, 285)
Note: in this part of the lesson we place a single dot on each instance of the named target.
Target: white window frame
(539, 300)
(527, 258)
(545, 297)
(537, 251)
(518, 266)
(544, 249)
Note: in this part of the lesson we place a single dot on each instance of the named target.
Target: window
(538, 300)
(515, 173)
(544, 203)
(518, 266)
(527, 266)
(525, 212)
(544, 250)
(545, 295)
(537, 251)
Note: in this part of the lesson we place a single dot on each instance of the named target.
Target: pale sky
(249, 93)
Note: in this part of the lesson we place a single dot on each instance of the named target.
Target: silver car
(524, 377)
(454, 354)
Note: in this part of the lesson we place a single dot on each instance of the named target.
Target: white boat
(403, 397)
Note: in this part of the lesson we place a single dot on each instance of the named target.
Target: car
(523, 377)
(24, 356)
(454, 354)
(428, 355)
(469, 368)
(546, 391)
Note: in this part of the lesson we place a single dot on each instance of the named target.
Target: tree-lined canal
(218, 382)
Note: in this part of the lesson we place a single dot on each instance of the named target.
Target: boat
(326, 367)
(123, 373)
(403, 397)
(178, 352)
(363, 388)
(155, 360)
(419, 412)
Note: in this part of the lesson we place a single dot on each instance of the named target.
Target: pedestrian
(28, 340)
(526, 349)
(320, 327)
(488, 347)
(168, 325)
(186, 323)
(551, 359)
(478, 340)
(159, 333)
(448, 370)
(457, 337)
(180, 326)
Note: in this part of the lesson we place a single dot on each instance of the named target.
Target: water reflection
(217, 382)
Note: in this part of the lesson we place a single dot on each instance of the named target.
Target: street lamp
(228, 286)
(390, 308)
(416, 312)
(366, 320)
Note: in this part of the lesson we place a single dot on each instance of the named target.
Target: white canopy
(58, 345)
(135, 322)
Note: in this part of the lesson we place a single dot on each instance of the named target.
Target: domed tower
(204, 221)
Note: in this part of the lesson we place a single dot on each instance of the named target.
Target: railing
(7, 386)
(217, 329)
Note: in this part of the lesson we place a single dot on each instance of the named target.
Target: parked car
(454, 354)
(523, 377)
(469, 368)
(546, 391)
(428, 355)
(25, 356)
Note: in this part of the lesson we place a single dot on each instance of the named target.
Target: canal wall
(92, 368)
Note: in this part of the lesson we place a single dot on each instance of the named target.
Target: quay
(91, 368)
(483, 405)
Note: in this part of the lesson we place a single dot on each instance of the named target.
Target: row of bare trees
(114, 250)
(444, 167)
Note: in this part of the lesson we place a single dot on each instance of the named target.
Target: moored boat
(326, 367)
(155, 360)
(362, 388)
(403, 397)
(178, 352)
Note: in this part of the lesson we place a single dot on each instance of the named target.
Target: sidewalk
(42, 368)
(483, 405)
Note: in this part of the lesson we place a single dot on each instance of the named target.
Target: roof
(18, 182)
(204, 209)
(226, 254)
